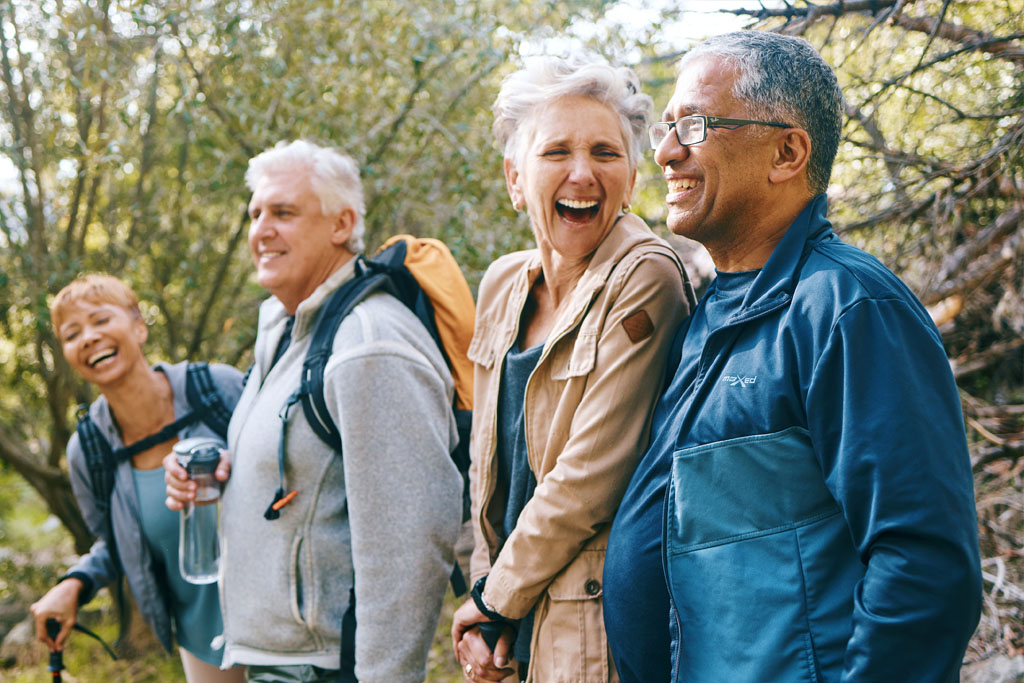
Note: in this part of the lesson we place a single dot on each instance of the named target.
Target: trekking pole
(56, 656)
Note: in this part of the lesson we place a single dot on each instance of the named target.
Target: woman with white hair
(570, 346)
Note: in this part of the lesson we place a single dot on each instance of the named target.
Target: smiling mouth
(269, 255)
(97, 358)
(682, 184)
(577, 210)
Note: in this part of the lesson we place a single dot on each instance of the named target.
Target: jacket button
(593, 587)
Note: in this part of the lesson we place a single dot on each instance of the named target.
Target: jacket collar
(273, 314)
(774, 285)
(628, 232)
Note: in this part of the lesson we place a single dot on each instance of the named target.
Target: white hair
(333, 176)
(546, 79)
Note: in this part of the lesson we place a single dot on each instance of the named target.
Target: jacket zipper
(674, 611)
(698, 384)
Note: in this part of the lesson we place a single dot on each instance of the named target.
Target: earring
(516, 206)
(625, 208)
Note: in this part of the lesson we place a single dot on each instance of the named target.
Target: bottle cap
(199, 455)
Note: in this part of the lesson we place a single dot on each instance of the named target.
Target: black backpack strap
(205, 400)
(311, 388)
(99, 461)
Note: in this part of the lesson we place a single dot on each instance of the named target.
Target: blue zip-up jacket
(819, 518)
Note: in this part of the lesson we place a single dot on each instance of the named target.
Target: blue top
(818, 521)
(634, 581)
(195, 609)
(515, 477)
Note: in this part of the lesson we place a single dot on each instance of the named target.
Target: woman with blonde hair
(102, 332)
(570, 347)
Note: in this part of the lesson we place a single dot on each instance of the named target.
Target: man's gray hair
(546, 79)
(333, 175)
(783, 78)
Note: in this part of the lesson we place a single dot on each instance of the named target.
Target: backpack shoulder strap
(337, 307)
(99, 459)
(441, 299)
(204, 398)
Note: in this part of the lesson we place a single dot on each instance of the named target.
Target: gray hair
(333, 175)
(546, 79)
(783, 78)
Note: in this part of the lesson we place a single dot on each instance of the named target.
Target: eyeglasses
(691, 130)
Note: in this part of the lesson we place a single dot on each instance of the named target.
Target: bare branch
(969, 364)
(986, 42)
(806, 13)
(146, 160)
(211, 101)
(981, 270)
(945, 56)
(875, 133)
(217, 285)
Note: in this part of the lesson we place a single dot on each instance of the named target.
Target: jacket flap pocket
(481, 348)
(745, 487)
(581, 580)
(580, 360)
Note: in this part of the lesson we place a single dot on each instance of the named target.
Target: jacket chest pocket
(483, 347)
(741, 488)
(574, 356)
(569, 642)
(747, 521)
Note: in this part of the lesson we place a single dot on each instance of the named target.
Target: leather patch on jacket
(638, 326)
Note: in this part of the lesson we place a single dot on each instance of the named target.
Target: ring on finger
(468, 669)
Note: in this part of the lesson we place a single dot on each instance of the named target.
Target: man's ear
(791, 155)
(512, 182)
(344, 224)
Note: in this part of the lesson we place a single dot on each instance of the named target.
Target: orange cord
(284, 501)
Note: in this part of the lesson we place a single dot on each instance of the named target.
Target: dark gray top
(515, 478)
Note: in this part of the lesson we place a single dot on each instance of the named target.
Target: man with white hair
(368, 538)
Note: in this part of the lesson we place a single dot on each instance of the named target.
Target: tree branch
(210, 100)
(835, 9)
(146, 155)
(218, 282)
(968, 37)
(981, 269)
(970, 363)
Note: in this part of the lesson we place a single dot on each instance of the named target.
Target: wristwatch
(478, 598)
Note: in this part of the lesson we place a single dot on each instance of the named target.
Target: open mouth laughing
(100, 356)
(577, 210)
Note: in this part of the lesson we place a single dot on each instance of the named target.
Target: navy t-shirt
(636, 599)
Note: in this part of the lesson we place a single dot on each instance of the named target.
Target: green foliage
(128, 126)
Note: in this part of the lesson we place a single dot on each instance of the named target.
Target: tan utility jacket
(588, 409)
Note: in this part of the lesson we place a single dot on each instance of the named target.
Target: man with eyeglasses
(805, 509)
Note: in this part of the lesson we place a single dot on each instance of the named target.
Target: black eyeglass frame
(709, 122)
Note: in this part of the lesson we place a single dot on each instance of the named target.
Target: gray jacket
(383, 517)
(99, 568)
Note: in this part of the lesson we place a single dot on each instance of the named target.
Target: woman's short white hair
(333, 175)
(546, 79)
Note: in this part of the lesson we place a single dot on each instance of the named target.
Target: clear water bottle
(198, 543)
